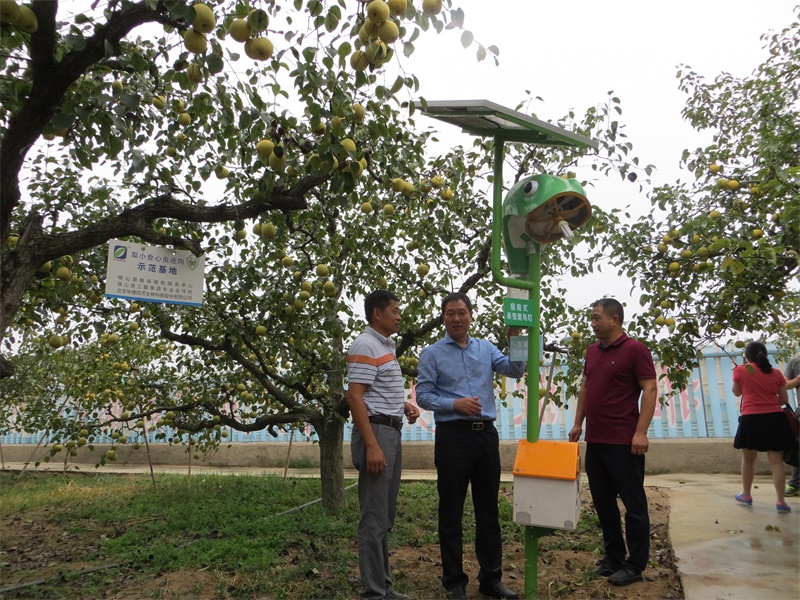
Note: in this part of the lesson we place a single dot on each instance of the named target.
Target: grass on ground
(228, 526)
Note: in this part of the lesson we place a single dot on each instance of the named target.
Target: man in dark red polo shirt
(618, 370)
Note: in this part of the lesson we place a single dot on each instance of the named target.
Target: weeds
(226, 526)
(226, 538)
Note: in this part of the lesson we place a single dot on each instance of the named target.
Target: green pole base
(532, 535)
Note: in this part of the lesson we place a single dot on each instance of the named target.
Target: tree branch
(50, 81)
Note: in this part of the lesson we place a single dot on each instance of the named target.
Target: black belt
(474, 425)
(396, 422)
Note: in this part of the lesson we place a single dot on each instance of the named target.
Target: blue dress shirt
(447, 372)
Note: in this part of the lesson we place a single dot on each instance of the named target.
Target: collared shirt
(371, 361)
(612, 389)
(447, 372)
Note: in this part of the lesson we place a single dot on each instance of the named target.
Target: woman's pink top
(759, 389)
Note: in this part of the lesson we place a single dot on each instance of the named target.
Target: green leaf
(481, 54)
(115, 145)
(63, 121)
(258, 20)
(75, 41)
(332, 19)
(466, 38)
(737, 267)
(84, 112)
(131, 101)
(398, 85)
(245, 120)
(214, 63)
(456, 19)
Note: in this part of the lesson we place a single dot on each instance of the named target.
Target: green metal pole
(535, 295)
(533, 285)
(532, 534)
(497, 222)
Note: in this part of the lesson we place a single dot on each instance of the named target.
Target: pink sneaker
(783, 507)
(742, 499)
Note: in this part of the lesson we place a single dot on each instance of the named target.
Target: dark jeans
(465, 456)
(613, 471)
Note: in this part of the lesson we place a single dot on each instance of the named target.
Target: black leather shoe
(457, 593)
(625, 576)
(605, 568)
(498, 590)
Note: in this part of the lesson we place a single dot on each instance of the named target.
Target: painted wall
(706, 409)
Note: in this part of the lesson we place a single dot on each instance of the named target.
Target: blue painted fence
(706, 409)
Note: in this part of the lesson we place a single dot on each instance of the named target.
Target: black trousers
(465, 456)
(613, 471)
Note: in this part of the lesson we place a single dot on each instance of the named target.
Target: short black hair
(454, 296)
(611, 307)
(379, 299)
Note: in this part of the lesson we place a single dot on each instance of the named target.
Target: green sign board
(517, 312)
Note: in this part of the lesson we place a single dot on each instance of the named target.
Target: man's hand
(467, 406)
(640, 444)
(412, 412)
(376, 462)
(575, 433)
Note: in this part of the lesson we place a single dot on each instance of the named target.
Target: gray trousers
(378, 499)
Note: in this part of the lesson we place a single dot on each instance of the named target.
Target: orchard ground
(565, 565)
(59, 544)
(703, 544)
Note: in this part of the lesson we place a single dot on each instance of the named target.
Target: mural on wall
(707, 408)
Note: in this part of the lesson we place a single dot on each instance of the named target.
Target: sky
(573, 52)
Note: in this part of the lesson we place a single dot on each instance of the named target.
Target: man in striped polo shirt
(376, 397)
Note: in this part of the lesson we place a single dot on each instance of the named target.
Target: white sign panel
(518, 348)
(154, 274)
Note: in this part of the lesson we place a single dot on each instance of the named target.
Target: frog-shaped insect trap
(541, 209)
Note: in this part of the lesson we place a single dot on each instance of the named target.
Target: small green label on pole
(517, 312)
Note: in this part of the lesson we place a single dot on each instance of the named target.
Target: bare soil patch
(561, 573)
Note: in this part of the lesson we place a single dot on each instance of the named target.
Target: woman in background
(763, 426)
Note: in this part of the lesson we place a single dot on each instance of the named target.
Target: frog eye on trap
(530, 188)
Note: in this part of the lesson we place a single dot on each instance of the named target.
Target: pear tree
(718, 255)
(293, 165)
(267, 349)
(117, 118)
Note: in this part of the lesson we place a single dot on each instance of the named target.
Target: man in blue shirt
(456, 381)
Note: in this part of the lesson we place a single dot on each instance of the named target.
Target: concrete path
(729, 551)
(724, 550)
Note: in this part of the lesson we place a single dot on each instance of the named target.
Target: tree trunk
(330, 429)
(14, 287)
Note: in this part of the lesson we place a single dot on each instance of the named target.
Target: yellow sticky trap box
(547, 484)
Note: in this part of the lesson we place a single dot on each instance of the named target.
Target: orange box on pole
(547, 484)
(548, 459)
